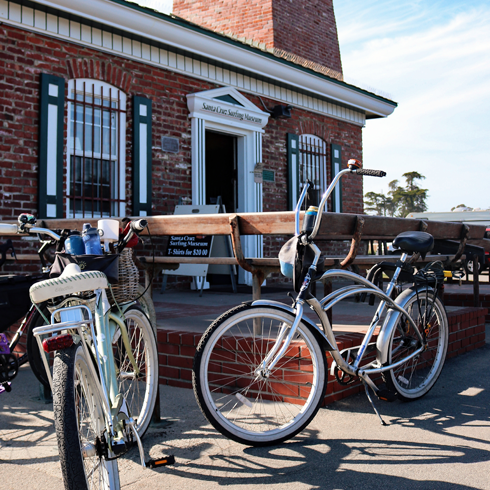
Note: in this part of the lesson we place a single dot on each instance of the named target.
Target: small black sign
(189, 246)
(170, 144)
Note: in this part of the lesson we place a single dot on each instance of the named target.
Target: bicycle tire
(248, 410)
(415, 378)
(79, 420)
(140, 393)
(33, 352)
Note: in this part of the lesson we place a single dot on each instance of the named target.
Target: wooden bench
(334, 226)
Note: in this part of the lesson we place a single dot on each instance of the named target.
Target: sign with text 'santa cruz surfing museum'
(233, 113)
(227, 107)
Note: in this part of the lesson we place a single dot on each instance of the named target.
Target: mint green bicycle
(104, 376)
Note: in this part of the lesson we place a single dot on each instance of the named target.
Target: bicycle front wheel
(414, 378)
(242, 402)
(138, 383)
(79, 421)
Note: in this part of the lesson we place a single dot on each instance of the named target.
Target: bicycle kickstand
(372, 403)
(151, 463)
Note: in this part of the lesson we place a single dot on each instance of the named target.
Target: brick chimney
(304, 28)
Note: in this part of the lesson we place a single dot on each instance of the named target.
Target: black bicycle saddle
(414, 241)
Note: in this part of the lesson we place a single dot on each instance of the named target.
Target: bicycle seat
(71, 281)
(414, 241)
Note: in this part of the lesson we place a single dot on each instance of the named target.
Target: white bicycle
(105, 372)
(260, 370)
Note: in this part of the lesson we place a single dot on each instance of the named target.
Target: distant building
(475, 217)
(108, 108)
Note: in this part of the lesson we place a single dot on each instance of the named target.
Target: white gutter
(147, 26)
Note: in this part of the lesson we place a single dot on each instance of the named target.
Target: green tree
(399, 200)
(379, 204)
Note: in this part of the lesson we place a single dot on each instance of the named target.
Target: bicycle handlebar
(8, 229)
(353, 168)
(370, 172)
(137, 227)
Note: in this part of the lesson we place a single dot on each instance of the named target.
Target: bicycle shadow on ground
(27, 432)
(423, 447)
(458, 405)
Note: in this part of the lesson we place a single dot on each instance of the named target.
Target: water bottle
(309, 221)
(74, 244)
(91, 239)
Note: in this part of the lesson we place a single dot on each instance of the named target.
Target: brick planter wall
(176, 351)
(466, 300)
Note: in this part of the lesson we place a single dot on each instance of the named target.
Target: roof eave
(169, 30)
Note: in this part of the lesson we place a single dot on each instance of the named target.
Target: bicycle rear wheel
(139, 390)
(79, 421)
(414, 378)
(258, 409)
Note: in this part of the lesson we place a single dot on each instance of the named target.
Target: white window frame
(97, 85)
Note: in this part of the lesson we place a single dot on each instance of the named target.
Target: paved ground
(439, 442)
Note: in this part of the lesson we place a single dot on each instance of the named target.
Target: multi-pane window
(313, 165)
(95, 147)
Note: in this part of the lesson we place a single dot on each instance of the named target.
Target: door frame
(245, 121)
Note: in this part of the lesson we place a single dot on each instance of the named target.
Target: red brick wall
(467, 300)
(177, 349)
(306, 29)
(24, 56)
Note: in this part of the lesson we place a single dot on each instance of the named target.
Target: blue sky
(433, 58)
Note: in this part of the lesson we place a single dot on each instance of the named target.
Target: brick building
(108, 108)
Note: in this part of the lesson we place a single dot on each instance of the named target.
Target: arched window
(95, 149)
(307, 160)
(313, 165)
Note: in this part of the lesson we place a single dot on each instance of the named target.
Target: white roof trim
(140, 23)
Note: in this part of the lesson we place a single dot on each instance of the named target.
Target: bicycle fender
(392, 317)
(319, 335)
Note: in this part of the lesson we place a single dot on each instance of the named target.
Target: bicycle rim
(80, 424)
(140, 391)
(249, 407)
(418, 375)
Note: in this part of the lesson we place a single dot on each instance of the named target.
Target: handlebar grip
(139, 225)
(7, 229)
(370, 172)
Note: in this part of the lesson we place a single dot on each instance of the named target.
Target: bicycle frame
(321, 307)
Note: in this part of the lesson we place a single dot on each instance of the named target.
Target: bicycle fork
(268, 364)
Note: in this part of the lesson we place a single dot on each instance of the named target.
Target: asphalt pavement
(439, 442)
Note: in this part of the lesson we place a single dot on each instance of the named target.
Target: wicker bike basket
(126, 289)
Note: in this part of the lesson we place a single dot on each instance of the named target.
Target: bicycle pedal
(386, 395)
(156, 463)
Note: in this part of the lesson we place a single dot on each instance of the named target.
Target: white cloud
(164, 6)
(435, 59)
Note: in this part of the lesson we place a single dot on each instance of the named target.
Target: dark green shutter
(293, 170)
(142, 164)
(51, 131)
(336, 166)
